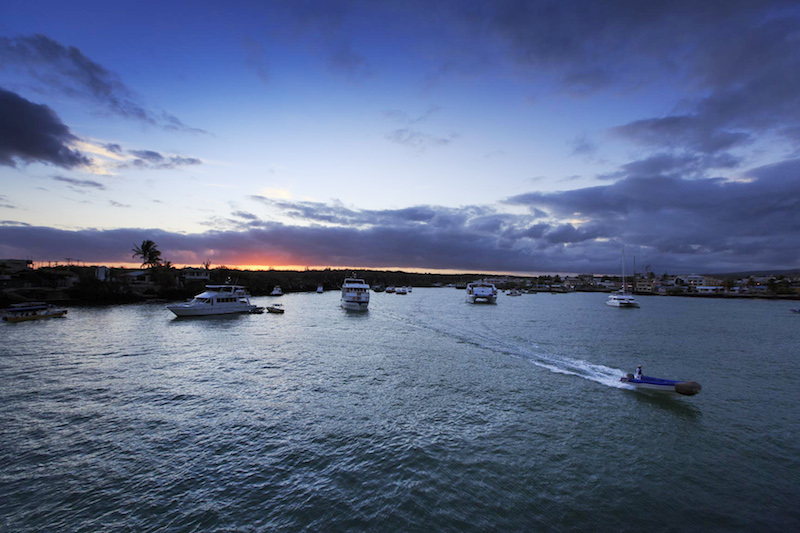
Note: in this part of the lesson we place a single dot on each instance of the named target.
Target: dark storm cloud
(682, 132)
(675, 224)
(686, 165)
(80, 184)
(113, 148)
(732, 66)
(681, 223)
(67, 70)
(33, 133)
(151, 159)
(431, 217)
(736, 61)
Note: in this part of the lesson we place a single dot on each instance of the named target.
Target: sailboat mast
(624, 284)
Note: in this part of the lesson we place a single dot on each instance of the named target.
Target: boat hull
(616, 303)
(622, 300)
(354, 306)
(183, 310)
(668, 386)
(481, 299)
(52, 314)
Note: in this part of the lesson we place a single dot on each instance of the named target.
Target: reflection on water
(426, 413)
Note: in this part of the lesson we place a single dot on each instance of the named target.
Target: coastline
(82, 286)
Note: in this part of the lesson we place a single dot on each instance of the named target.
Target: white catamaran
(622, 298)
(481, 293)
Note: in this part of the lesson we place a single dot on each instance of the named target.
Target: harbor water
(423, 414)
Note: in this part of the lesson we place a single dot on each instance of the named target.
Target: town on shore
(81, 284)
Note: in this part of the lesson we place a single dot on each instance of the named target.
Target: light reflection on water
(423, 413)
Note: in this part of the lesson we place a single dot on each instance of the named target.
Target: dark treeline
(168, 283)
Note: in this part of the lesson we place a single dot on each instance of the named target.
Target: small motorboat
(647, 383)
(31, 311)
(275, 308)
(795, 310)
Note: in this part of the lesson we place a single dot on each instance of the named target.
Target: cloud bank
(69, 71)
(31, 132)
(671, 223)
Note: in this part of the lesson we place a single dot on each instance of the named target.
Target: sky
(505, 136)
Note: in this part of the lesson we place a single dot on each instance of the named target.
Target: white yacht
(276, 291)
(355, 294)
(481, 293)
(217, 300)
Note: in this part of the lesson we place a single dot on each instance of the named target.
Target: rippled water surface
(425, 413)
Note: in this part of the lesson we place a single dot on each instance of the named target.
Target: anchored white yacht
(355, 294)
(217, 300)
(622, 298)
(481, 293)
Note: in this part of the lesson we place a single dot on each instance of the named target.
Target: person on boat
(638, 374)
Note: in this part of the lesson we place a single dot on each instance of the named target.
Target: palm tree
(148, 252)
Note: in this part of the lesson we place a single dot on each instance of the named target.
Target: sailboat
(622, 298)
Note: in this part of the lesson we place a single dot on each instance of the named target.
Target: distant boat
(320, 290)
(514, 292)
(217, 300)
(795, 310)
(31, 311)
(481, 293)
(355, 294)
(275, 309)
(401, 290)
(276, 291)
(622, 298)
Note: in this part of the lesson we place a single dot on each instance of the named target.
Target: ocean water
(423, 414)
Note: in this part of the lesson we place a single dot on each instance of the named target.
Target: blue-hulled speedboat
(647, 383)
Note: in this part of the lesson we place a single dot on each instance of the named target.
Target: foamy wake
(532, 353)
